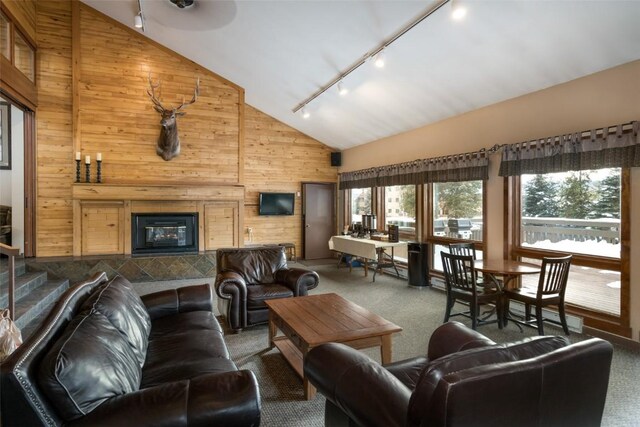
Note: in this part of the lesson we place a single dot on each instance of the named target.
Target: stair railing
(12, 252)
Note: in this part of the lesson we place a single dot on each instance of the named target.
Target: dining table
(509, 270)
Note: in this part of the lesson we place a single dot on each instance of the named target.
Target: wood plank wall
(54, 168)
(117, 117)
(223, 140)
(279, 158)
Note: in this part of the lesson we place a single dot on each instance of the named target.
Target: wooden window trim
(439, 240)
(445, 241)
(620, 325)
(382, 208)
(11, 78)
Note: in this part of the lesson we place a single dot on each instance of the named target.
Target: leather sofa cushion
(185, 355)
(90, 363)
(255, 265)
(258, 294)
(118, 302)
(419, 404)
(189, 321)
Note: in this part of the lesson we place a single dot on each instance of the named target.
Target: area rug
(418, 312)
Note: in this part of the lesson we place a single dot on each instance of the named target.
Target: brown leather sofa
(106, 357)
(247, 277)
(466, 380)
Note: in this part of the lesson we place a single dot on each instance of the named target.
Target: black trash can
(418, 264)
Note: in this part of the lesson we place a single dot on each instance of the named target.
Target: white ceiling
(282, 52)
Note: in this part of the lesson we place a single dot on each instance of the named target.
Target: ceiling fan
(182, 3)
(191, 15)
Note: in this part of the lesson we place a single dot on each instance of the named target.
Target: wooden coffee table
(309, 321)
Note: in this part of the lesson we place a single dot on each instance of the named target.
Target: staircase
(35, 294)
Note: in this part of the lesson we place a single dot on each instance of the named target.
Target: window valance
(460, 167)
(610, 147)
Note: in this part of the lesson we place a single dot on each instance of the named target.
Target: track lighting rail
(370, 55)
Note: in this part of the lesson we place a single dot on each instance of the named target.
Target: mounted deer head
(168, 141)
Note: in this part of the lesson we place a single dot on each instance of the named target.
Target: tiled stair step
(4, 270)
(34, 325)
(33, 305)
(25, 283)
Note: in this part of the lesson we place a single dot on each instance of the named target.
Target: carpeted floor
(418, 312)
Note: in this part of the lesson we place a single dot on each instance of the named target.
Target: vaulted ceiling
(282, 52)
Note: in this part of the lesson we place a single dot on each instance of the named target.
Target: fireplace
(164, 233)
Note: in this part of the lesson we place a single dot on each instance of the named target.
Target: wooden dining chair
(468, 249)
(461, 280)
(551, 289)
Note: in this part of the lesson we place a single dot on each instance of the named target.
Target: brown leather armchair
(466, 380)
(247, 277)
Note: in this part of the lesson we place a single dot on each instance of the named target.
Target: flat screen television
(276, 203)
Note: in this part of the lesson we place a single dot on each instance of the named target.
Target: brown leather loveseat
(247, 277)
(466, 380)
(106, 357)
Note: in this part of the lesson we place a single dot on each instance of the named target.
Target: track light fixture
(458, 11)
(305, 113)
(342, 90)
(138, 20)
(376, 55)
(378, 60)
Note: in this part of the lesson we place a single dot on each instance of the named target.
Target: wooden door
(318, 219)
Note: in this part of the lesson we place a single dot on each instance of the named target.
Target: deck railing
(12, 253)
(540, 229)
(578, 230)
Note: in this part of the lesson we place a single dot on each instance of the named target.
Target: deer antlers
(156, 102)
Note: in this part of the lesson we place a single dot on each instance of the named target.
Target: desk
(366, 249)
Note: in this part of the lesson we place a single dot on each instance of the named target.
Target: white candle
(99, 157)
(77, 155)
(87, 159)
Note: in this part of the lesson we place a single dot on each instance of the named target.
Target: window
(576, 212)
(24, 57)
(360, 203)
(457, 210)
(17, 49)
(5, 40)
(404, 216)
(579, 213)
(390, 200)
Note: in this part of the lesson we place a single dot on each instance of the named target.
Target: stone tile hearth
(135, 269)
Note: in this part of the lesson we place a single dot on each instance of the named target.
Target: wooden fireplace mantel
(102, 213)
(157, 192)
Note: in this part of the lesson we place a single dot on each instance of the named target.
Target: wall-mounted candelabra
(99, 168)
(77, 166)
(87, 171)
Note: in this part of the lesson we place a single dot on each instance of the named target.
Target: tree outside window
(457, 210)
